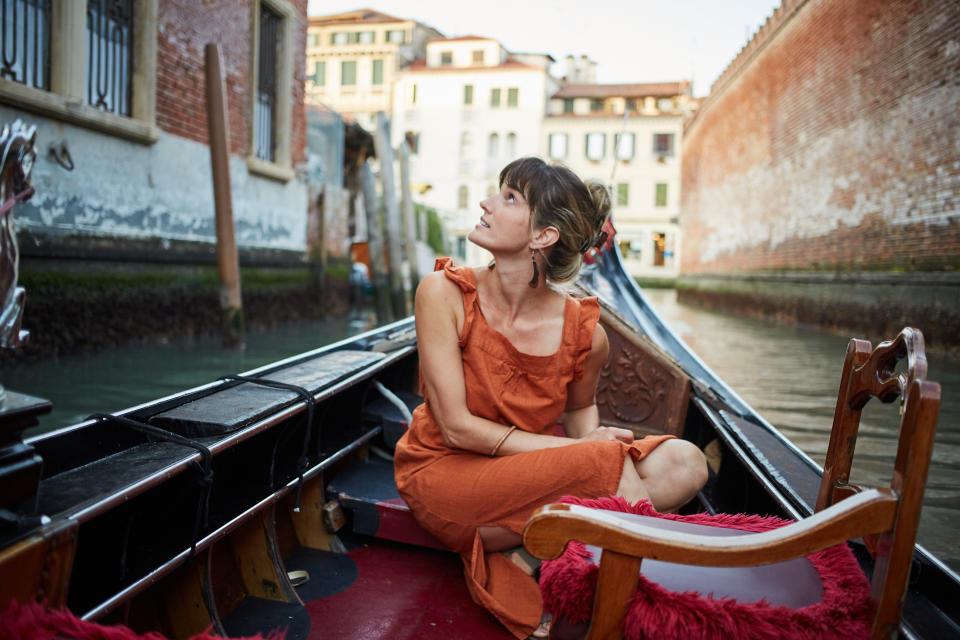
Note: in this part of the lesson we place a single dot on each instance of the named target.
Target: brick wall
(184, 28)
(831, 141)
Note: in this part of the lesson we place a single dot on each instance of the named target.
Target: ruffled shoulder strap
(588, 313)
(464, 278)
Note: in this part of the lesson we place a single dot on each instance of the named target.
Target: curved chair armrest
(550, 528)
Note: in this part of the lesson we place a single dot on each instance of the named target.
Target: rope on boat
(394, 400)
(206, 467)
(303, 463)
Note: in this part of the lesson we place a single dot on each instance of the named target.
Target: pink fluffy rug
(568, 584)
(35, 622)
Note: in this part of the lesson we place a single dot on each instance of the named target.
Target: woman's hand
(609, 433)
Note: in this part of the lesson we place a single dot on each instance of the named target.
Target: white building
(468, 109)
(628, 136)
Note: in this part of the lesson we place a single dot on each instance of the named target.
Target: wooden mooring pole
(378, 275)
(409, 224)
(231, 304)
(381, 141)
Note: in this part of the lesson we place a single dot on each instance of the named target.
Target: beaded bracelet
(496, 447)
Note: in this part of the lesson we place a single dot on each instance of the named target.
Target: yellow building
(629, 137)
(353, 57)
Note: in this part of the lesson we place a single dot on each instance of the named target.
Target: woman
(503, 358)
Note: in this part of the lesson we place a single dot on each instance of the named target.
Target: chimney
(591, 72)
(571, 68)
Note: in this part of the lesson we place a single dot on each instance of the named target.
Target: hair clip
(601, 240)
(588, 244)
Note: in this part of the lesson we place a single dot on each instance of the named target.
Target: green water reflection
(123, 377)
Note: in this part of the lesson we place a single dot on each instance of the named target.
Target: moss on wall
(75, 307)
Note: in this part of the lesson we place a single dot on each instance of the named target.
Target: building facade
(116, 90)
(353, 58)
(629, 137)
(467, 109)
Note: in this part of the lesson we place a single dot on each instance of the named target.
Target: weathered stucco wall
(164, 190)
(831, 142)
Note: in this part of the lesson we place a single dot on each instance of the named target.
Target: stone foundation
(872, 305)
(80, 306)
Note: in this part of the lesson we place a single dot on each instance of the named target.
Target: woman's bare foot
(543, 631)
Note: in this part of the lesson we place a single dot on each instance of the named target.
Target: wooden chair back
(871, 374)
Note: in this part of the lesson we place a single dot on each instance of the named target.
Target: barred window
(81, 61)
(264, 114)
(110, 54)
(26, 42)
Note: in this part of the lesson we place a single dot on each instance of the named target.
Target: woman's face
(504, 223)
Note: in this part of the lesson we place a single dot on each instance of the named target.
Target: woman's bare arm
(581, 419)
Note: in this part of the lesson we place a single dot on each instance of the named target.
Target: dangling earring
(491, 264)
(536, 270)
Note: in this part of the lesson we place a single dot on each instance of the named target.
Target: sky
(631, 40)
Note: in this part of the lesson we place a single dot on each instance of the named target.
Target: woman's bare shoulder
(436, 285)
(437, 296)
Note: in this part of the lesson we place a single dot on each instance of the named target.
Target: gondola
(266, 500)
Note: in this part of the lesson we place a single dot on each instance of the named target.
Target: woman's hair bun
(601, 204)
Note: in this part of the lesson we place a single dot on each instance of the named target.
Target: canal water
(122, 377)
(789, 374)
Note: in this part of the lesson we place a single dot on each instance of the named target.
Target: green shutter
(513, 96)
(378, 72)
(623, 194)
(661, 194)
(348, 72)
(320, 73)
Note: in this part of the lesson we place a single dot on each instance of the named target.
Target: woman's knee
(680, 460)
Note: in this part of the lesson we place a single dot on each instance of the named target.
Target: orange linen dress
(452, 491)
